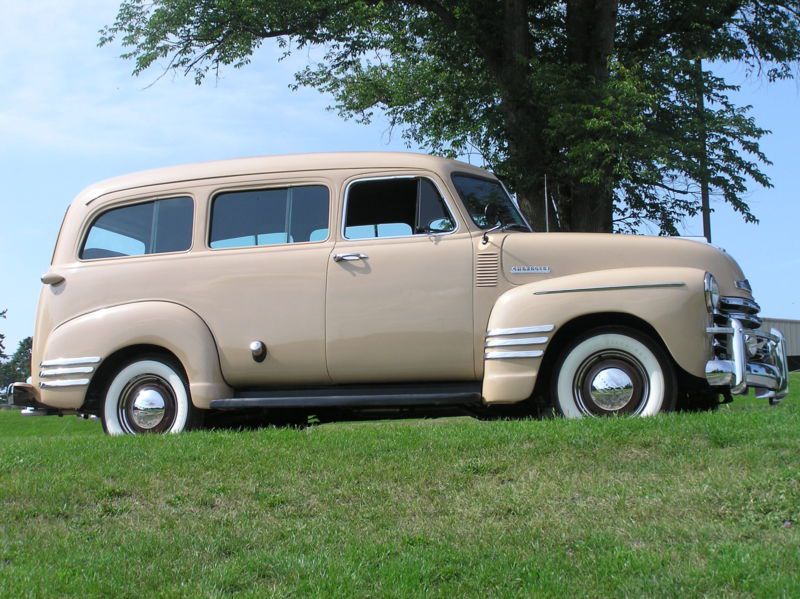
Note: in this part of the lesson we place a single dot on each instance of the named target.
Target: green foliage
(18, 367)
(2, 337)
(627, 136)
(679, 505)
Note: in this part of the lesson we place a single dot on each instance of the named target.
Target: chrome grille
(486, 270)
(742, 309)
(746, 312)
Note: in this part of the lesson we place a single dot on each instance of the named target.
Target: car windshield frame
(506, 204)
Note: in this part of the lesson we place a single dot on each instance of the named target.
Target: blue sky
(71, 114)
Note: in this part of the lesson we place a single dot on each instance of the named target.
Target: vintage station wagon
(374, 280)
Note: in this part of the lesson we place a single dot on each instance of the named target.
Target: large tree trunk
(590, 26)
(590, 41)
(523, 124)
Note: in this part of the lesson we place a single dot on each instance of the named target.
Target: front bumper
(750, 358)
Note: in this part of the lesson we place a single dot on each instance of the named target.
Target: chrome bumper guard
(767, 373)
(23, 397)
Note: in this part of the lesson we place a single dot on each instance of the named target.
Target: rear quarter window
(156, 227)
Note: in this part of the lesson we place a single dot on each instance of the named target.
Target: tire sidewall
(660, 375)
(142, 366)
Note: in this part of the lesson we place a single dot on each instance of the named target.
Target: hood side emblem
(530, 270)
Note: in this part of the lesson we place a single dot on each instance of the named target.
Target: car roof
(271, 164)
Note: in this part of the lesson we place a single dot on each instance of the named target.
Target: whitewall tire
(148, 395)
(613, 371)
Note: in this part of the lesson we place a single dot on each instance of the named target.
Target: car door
(399, 293)
(263, 280)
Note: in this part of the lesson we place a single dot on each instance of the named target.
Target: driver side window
(396, 207)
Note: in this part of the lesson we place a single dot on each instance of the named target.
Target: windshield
(477, 193)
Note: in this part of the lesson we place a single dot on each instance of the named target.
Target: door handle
(349, 257)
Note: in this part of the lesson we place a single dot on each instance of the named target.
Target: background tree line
(609, 99)
(17, 367)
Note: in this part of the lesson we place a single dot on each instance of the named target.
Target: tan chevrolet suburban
(374, 280)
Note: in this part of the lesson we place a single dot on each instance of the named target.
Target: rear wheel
(148, 395)
(613, 371)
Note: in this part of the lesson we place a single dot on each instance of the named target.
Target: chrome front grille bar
(743, 309)
(765, 368)
(739, 304)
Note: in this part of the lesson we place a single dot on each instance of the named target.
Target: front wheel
(148, 395)
(613, 371)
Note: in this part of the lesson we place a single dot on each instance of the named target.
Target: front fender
(103, 332)
(670, 299)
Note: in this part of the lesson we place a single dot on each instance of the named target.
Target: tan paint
(669, 299)
(411, 312)
(163, 324)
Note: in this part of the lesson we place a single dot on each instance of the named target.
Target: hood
(528, 256)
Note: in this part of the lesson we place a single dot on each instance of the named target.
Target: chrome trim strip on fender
(63, 383)
(611, 288)
(542, 328)
(504, 355)
(71, 361)
(59, 371)
(523, 341)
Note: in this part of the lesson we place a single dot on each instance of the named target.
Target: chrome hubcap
(611, 389)
(147, 404)
(611, 382)
(149, 408)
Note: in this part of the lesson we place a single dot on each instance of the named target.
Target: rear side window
(269, 217)
(155, 227)
(395, 208)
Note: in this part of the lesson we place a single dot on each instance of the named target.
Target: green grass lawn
(678, 505)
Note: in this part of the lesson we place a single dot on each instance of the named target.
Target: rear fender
(89, 339)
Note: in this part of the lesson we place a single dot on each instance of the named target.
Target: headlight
(712, 292)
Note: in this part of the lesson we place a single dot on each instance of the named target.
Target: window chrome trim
(413, 235)
(611, 288)
(101, 209)
(516, 203)
(542, 328)
(71, 361)
(523, 341)
(513, 355)
(212, 197)
(490, 180)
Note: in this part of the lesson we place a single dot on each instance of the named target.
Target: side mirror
(491, 213)
(439, 225)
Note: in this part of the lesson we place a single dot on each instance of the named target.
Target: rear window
(155, 227)
(269, 217)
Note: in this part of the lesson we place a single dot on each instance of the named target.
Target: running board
(362, 396)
